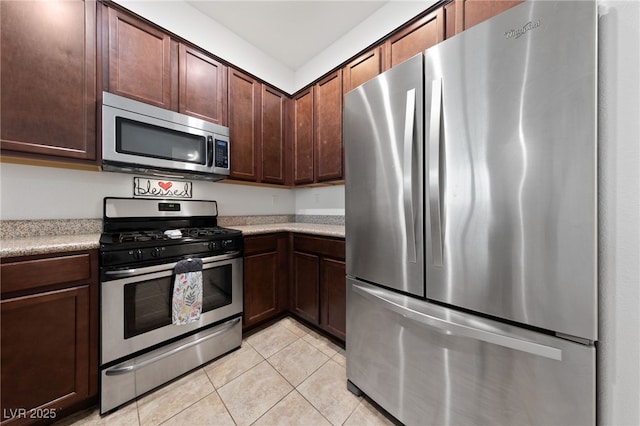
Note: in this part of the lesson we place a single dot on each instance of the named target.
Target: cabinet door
(273, 136)
(327, 125)
(453, 18)
(303, 137)
(140, 61)
(415, 38)
(48, 79)
(265, 277)
(476, 11)
(362, 69)
(203, 86)
(244, 125)
(45, 350)
(334, 297)
(305, 291)
(260, 287)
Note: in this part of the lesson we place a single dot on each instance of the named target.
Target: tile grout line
(215, 389)
(295, 387)
(264, 359)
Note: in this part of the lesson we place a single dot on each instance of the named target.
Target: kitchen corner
(50, 266)
(484, 155)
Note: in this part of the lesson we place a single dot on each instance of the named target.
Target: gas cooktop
(140, 230)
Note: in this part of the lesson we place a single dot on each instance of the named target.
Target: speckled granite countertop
(47, 244)
(305, 228)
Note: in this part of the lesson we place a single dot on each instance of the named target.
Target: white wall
(192, 25)
(326, 200)
(379, 24)
(619, 212)
(32, 192)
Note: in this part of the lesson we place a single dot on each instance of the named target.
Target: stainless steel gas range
(142, 242)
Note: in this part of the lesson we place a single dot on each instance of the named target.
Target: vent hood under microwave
(144, 139)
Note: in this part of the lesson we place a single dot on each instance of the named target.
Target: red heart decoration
(165, 185)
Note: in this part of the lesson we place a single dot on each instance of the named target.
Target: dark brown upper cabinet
(48, 80)
(317, 133)
(275, 152)
(414, 38)
(142, 61)
(303, 158)
(244, 125)
(258, 129)
(463, 14)
(476, 11)
(202, 86)
(453, 18)
(327, 124)
(362, 69)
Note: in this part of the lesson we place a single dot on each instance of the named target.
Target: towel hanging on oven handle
(187, 292)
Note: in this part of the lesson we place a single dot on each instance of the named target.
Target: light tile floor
(286, 374)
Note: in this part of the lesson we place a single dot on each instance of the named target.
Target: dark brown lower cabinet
(305, 289)
(309, 283)
(49, 336)
(318, 286)
(334, 297)
(265, 278)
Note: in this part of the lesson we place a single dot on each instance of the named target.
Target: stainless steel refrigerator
(471, 225)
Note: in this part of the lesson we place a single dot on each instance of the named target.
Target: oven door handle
(126, 367)
(122, 273)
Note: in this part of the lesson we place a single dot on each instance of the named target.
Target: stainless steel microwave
(145, 139)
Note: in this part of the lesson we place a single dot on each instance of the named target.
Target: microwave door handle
(165, 174)
(209, 151)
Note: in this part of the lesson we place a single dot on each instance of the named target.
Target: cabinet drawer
(320, 245)
(30, 274)
(260, 244)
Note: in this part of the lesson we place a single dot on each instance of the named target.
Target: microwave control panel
(222, 154)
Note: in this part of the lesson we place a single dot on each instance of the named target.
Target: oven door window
(147, 304)
(134, 137)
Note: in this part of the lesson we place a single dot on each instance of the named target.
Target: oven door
(136, 304)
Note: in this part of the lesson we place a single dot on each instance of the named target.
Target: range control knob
(155, 252)
(137, 254)
(214, 245)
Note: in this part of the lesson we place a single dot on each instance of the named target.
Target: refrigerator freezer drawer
(426, 364)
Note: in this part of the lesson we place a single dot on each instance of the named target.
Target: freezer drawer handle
(452, 328)
(125, 367)
(407, 178)
(434, 171)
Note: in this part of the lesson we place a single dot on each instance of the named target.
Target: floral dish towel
(187, 292)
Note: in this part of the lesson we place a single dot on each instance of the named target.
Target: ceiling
(292, 32)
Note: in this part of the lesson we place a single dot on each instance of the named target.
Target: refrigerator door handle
(452, 328)
(434, 172)
(407, 178)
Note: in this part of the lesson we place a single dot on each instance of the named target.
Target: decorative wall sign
(144, 187)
